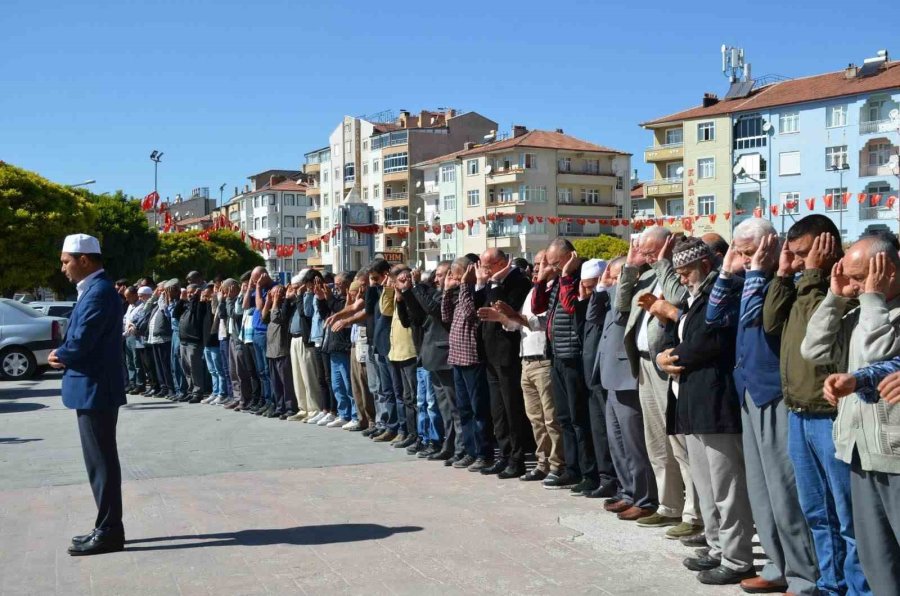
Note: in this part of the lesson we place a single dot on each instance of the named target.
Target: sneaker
(385, 437)
(352, 425)
(682, 530)
(656, 520)
(585, 486)
(325, 420)
(534, 475)
(480, 464)
(554, 482)
(219, 401)
(297, 417)
(208, 400)
(703, 562)
(723, 576)
(337, 423)
(315, 419)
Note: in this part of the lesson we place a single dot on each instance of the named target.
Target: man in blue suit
(94, 387)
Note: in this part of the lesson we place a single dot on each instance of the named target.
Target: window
(620, 211)
(590, 196)
(565, 164)
(324, 176)
(620, 182)
(471, 167)
(706, 167)
(337, 174)
(674, 136)
(789, 123)
(376, 191)
(789, 163)
(706, 131)
(365, 144)
(271, 199)
(475, 230)
(879, 154)
(592, 166)
(365, 193)
(448, 174)
(398, 162)
(790, 203)
(506, 195)
(448, 256)
(672, 170)
(265, 222)
(706, 205)
(288, 240)
(473, 198)
(835, 157)
(837, 199)
(563, 195)
(349, 172)
(255, 223)
(836, 116)
(375, 165)
(533, 194)
(289, 221)
(325, 198)
(529, 161)
(749, 133)
(449, 203)
(288, 200)
(365, 168)
(675, 207)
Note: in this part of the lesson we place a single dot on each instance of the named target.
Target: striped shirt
(463, 319)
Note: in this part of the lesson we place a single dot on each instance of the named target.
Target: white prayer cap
(81, 243)
(593, 268)
(145, 291)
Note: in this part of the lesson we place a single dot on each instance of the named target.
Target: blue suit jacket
(92, 350)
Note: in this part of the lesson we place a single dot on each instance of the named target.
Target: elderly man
(91, 356)
(643, 341)
(255, 299)
(850, 338)
(780, 524)
(812, 248)
(159, 340)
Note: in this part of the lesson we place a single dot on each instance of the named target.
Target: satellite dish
(894, 161)
(418, 211)
(679, 171)
(403, 244)
(738, 170)
(767, 127)
(418, 184)
(488, 169)
(421, 263)
(894, 114)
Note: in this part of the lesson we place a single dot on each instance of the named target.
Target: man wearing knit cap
(92, 385)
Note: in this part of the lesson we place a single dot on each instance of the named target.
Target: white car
(27, 337)
(54, 308)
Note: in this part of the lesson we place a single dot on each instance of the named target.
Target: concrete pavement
(226, 503)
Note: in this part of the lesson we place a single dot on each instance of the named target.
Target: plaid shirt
(463, 320)
(868, 378)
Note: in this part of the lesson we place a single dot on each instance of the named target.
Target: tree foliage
(223, 253)
(601, 247)
(35, 217)
(126, 238)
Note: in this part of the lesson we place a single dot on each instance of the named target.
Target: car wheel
(17, 363)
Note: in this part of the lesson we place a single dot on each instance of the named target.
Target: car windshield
(24, 309)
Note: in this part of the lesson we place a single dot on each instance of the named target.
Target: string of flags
(783, 209)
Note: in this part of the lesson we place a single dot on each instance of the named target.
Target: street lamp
(741, 174)
(840, 165)
(155, 156)
(85, 183)
(221, 193)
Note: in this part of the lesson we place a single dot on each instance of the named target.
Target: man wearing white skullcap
(94, 386)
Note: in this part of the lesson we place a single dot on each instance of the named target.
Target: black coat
(501, 346)
(707, 402)
(332, 342)
(423, 307)
(381, 336)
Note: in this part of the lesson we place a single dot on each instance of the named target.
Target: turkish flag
(540, 218)
(519, 217)
(846, 198)
(671, 220)
(829, 201)
(531, 219)
(891, 200)
(604, 222)
(492, 216)
(861, 197)
(614, 223)
(712, 218)
(727, 215)
(811, 203)
(774, 209)
(448, 229)
(875, 200)
(460, 225)
(580, 221)
(301, 246)
(757, 212)
(435, 229)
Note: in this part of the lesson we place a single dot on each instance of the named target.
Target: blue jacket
(92, 350)
(757, 353)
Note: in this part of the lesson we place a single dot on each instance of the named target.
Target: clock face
(359, 214)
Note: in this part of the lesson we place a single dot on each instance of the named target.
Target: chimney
(519, 130)
(851, 71)
(450, 113)
(235, 191)
(468, 145)
(710, 99)
(560, 131)
(275, 179)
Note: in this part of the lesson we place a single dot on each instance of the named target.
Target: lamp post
(221, 193)
(840, 168)
(85, 183)
(155, 156)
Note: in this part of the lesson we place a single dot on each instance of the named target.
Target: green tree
(126, 238)
(35, 216)
(224, 253)
(601, 247)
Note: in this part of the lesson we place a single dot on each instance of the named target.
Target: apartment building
(780, 148)
(518, 193)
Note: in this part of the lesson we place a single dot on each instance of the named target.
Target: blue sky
(227, 89)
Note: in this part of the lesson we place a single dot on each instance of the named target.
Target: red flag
(580, 221)
(482, 219)
(604, 222)
(326, 238)
(448, 229)
(671, 220)
(875, 200)
(757, 212)
(774, 209)
(519, 217)
(846, 198)
(301, 246)
(614, 223)
(811, 203)
(553, 220)
(712, 218)
(861, 197)
(891, 200)
(436, 229)
(727, 215)
(540, 218)
(460, 225)
(470, 223)
(492, 216)
(829, 201)
(402, 231)
(531, 219)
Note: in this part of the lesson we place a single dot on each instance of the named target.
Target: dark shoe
(149, 393)
(407, 442)
(271, 412)
(512, 471)
(702, 563)
(497, 467)
(698, 540)
(724, 576)
(441, 456)
(385, 437)
(533, 476)
(585, 486)
(371, 431)
(97, 544)
(480, 464)
(606, 490)
(634, 513)
(618, 506)
(416, 447)
(82, 538)
(429, 450)
(454, 459)
(233, 405)
(554, 482)
(758, 585)
(464, 462)
(195, 399)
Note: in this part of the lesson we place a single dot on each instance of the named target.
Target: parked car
(26, 338)
(24, 297)
(57, 308)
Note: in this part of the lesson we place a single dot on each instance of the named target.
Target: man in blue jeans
(255, 298)
(174, 292)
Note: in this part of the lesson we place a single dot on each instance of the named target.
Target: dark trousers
(162, 362)
(602, 452)
(389, 395)
(474, 406)
(101, 458)
(511, 426)
(445, 390)
(570, 396)
(876, 516)
(403, 377)
(282, 385)
(322, 362)
(194, 367)
(225, 350)
(146, 356)
(625, 429)
(251, 389)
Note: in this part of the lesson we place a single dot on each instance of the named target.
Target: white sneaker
(316, 417)
(352, 425)
(328, 419)
(219, 400)
(337, 423)
(209, 399)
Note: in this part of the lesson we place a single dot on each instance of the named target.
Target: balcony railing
(882, 213)
(585, 172)
(675, 180)
(430, 245)
(396, 196)
(393, 223)
(874, 170)
(666, 146)
(870, 126)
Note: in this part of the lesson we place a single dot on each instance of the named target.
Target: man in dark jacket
(564, 332)
(190, 315)
(276, 315)
(337, 345)
(500, 281)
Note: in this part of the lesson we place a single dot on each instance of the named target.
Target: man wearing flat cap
(93, 385)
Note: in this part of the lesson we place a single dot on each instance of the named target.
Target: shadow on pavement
(148, 406)
(20, 392)
(16, 440)
(299, 535)
(17, 407)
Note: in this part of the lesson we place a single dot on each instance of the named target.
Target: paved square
(224, 503)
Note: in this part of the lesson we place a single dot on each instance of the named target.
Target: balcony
(396, 175)
(663, 187)
(879, 213)
(586, 177)
(315, 261)
(429, 245)
(875, 170)
(313, 191)
(312, 168)
(313, 212)
(393, 223)
(313, 233)
(668, 152)
(509, 175)
(868, 127)
(396, 196)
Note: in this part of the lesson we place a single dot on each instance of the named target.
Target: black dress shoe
(533, 476)
(606, 490)
(407, 442)
(82, 538)
(723, 576)
(703, 563)
(430, 449)
(416, 447)
(511, 471)
(97, 544)
(463, 462)
(440, 456)
(585, 486)
(497, 467)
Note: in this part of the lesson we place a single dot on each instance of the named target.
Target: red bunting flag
(149, 201)
(891, 200)
(712, 218)
(519, 217)
(448, 229)
(774, 209)
(402, 231)
(482, 219)
(757, 212)
(492, 216)
(326, 238)
(875, 200)
(829, 201)
(671, 220)
(540, 218)
(614, 223)
(460, 225)
(861, 198)
(727, 215)
(580, 221)
(470, 223)
(301, 246)
(436, 229)
(531, 219)
(591, 221)
(846, 198)
(604, 222)
(811, 203)
(553, 220)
